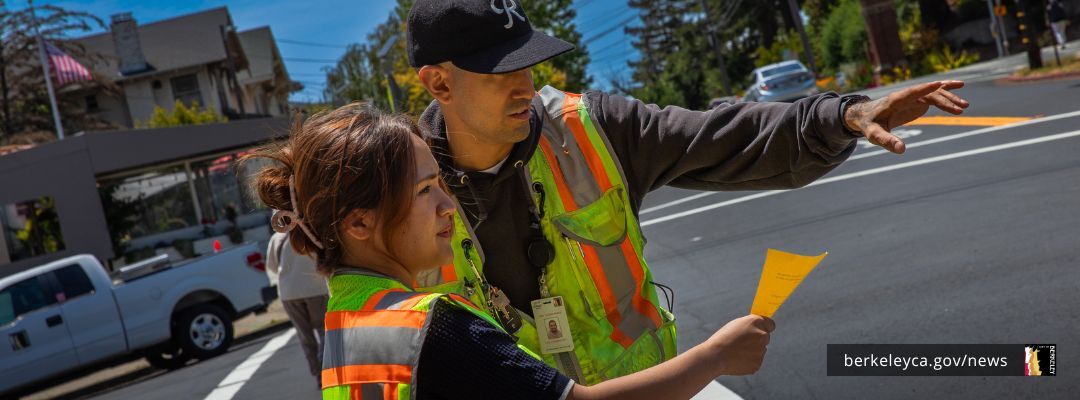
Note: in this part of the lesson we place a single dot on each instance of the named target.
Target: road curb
(1017, 80)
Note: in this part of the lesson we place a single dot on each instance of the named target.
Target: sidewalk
(254, 324)
(983, 71)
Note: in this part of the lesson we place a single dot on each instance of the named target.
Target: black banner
(942, 360)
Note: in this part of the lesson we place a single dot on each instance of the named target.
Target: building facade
(198, 58)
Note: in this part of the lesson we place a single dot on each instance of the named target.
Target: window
(31, 228)
(186, 89)
(147, 203)
(781, 70)
(22, 298)
(91, 103)
(73, 281)
(177, 209)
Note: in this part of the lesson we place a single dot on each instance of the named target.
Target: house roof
(171, 44)
(114, 151)
(262, 54)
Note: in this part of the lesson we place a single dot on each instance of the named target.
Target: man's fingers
(879, 136)
(953, 97)
(919, 91)
(939, 100)
(951, 85)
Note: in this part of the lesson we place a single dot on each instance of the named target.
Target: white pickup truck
(71, 314)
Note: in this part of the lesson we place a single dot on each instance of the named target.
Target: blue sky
(336, 23)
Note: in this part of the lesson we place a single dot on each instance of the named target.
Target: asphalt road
(976, 249)
(952, 244)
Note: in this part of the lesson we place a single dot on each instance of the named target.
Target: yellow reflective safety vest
(375, 328)
(617, 325)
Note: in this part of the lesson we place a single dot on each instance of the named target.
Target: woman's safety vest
(375, 327)
(616, 323)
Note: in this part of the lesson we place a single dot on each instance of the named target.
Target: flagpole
(48, 77)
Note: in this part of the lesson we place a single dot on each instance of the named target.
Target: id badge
(552, 326)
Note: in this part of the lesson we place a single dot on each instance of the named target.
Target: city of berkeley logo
(1040, 360)
(509, 7)
(1031, 361)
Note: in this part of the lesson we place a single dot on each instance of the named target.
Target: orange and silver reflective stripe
(604, 264)
(348, 357)
(577, 125)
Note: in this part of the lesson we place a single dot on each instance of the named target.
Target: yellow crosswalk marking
(967, 121)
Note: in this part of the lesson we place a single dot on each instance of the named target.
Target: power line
(609, 30)
(312, 44)
(606, 16)
(609, 47)
(310, 60)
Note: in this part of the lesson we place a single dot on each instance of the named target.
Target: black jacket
(745, 146)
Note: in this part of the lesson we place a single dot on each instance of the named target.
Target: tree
(841, 37)
(678, 65)
(24, 103)
(359, 75)
(556, 18)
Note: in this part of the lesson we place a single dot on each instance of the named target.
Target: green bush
(841, 38)
(181, 115)
(945, 60)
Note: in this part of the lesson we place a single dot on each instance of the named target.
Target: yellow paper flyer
(780, 276)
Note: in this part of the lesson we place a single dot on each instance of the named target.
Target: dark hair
(354, 157)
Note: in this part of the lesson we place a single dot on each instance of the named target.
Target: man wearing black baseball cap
(549, 184)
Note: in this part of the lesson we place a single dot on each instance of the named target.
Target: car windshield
(781, 70)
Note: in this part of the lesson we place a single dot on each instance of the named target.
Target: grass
(1050, 67)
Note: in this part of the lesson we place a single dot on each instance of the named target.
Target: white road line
(871, 171)
(243, 372)
(880, 152)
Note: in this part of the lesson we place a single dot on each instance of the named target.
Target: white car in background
(783, 81)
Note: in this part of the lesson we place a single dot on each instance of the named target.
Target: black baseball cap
(482, 36)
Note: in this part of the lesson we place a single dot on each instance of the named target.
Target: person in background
(1055, 13)
(304, 295)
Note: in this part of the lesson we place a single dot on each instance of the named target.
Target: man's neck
(470, 153)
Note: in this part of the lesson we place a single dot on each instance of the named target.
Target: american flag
(66, 69)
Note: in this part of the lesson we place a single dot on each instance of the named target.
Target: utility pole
(793, 6)
(718, 48)
(1027, 24)
(994, 21)
(393, 91)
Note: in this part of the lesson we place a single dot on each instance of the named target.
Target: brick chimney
(125, 34)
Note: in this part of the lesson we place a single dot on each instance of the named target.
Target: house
(195, 58)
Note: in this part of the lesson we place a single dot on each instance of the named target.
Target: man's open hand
(875, 119)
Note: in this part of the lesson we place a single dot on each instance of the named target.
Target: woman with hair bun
(359, 190)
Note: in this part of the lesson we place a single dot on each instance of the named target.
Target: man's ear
(436, 79)
(359, 224)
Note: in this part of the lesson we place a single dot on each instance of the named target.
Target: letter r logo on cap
(509, 7)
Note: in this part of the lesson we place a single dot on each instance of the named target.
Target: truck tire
(167, 356)
(203, 331)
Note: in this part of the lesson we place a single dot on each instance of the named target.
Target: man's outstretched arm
(753, 146)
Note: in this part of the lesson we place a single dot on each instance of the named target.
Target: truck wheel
(203, 331)
(167, 356)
